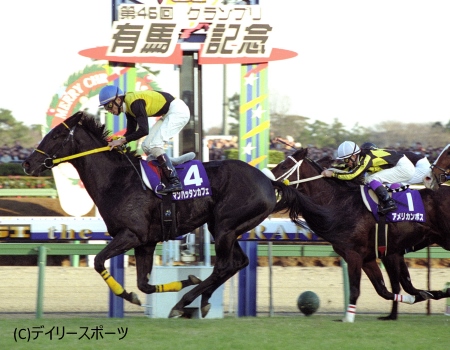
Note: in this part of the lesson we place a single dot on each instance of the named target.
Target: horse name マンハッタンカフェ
(241, 198)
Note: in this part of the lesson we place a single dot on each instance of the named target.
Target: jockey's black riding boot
(171, 175)
(388, 204)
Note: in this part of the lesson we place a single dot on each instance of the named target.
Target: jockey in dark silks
(374, 167)
(138, 106)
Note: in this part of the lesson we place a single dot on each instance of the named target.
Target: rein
(296, 167)
(52, 161)
(56, 161)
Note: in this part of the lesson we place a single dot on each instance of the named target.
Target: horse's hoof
(388, 318)
(135, 299)
(194, 279)
(205, 309)
(175, 313)
(426, 294)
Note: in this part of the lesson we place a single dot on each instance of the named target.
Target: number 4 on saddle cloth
(409, 204)
(192, 174)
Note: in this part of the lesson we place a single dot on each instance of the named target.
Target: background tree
(12, 130)
(320, 134)
(234, 104)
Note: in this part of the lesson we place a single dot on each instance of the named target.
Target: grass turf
(299, 332)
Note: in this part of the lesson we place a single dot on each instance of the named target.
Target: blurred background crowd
(14, 153)
(218, 144)
(288, 145)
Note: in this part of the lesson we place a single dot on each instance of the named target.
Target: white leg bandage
(408, 299)
(350, 314)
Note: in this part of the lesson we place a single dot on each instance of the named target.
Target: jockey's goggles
(109, 106)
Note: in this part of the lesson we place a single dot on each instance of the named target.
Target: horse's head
(305, 173)
(440, 169)
(294, 170)
(64, 140)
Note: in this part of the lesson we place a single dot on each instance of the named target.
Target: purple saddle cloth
(192, 175)
(409, 206)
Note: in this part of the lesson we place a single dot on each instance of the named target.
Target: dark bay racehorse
(440, 169)
(354, 240)
(242, 197)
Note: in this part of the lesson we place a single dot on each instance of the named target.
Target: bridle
(443, 177)
(52, 161)
(296, 168)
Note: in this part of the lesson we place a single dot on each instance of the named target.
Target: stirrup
(390, 206)
(176, 187)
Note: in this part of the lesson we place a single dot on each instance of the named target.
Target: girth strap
(168, 217)
(381, 232)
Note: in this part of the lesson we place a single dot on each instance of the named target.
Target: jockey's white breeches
(402, 172)
(167, 126)
(423, 169)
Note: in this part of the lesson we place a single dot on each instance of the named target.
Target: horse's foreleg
(118, 290)
(176, 286)
(392, 265)
(354, 264)
(119, 245)
(144, 266)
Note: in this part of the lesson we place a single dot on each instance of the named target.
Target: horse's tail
(297, 204)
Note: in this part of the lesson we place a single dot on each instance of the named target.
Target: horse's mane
(326, 162)
(95, 128)
(344, 194)
(444, 150)
(98, 130)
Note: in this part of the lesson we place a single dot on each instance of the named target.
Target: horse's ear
(304, 151)
(83, 116)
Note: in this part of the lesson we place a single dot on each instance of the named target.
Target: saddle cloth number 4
(192, 176)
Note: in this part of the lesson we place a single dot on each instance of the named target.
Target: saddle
(190, 171)
(409, 208)
(194, 178)
(409, 204)
(177, 160)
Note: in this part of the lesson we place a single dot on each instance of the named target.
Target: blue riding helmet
(109, 93)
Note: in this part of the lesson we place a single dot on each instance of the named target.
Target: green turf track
(293, 332)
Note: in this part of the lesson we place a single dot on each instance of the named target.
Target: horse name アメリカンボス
(242, 197)
(354, 239)
(394, 263)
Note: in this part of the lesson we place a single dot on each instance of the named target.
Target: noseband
(50, 161)
(290, 171)
(296, 168)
